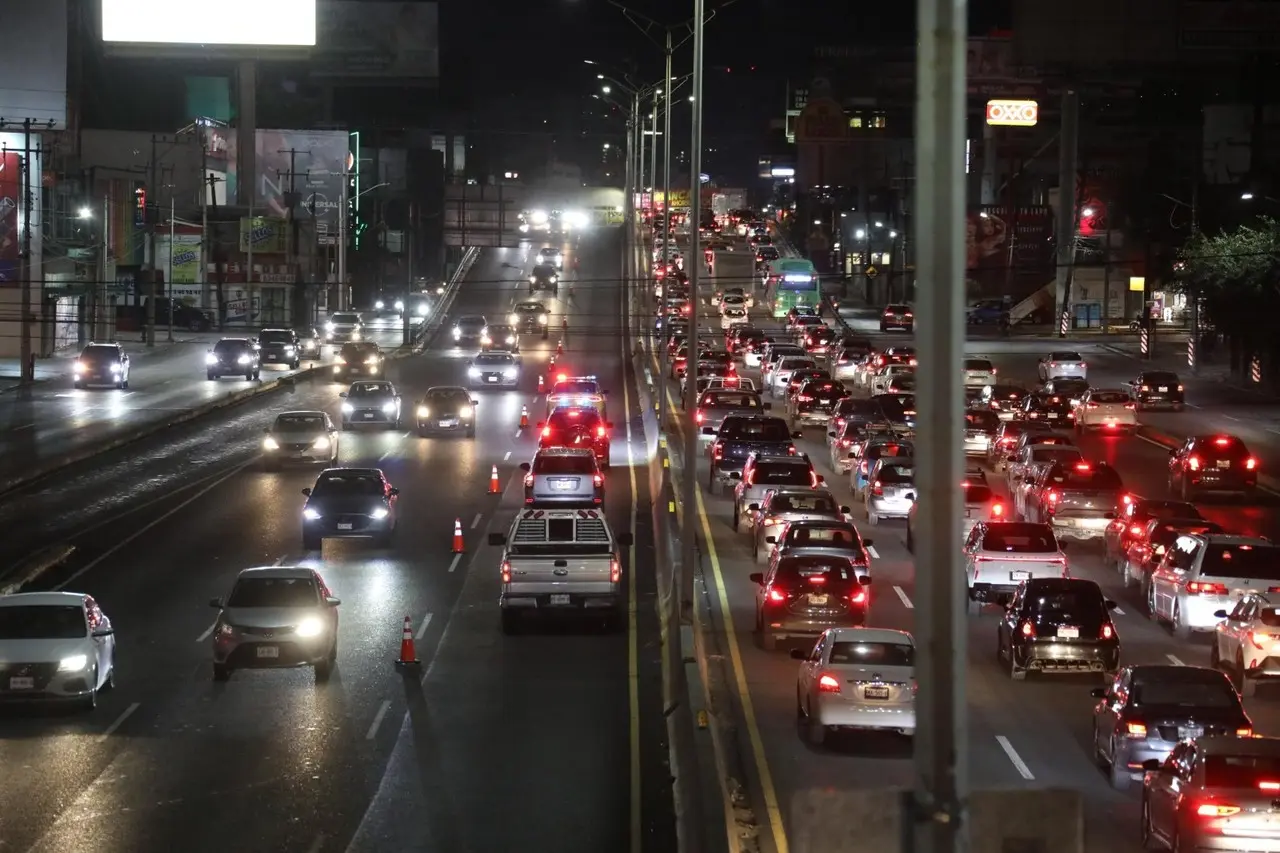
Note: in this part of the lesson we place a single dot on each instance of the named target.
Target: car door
(1107, 712)
(1166, 580)
(1168, 786)
(813, 664)
(1009, 619)
(1231, 630)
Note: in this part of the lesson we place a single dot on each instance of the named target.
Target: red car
(579, 429)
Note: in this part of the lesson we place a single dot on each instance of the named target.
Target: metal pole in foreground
(937, 823)
(653, 144)
(688, 533)
(25, 370)
(1067, 214)
(666, 227)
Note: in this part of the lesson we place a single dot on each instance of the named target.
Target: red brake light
(528, 480)
(546, 432)
(1216, 810)
(817, 578)
(803, 398)
(1028, 630)
(615, 571)
(1052, 496)
(1269, 786)
(1193, 462)
(600, 432)
(1222, 441)
(1107, 631)
(506, 571)
(699, 416)
(1136, 729)
(859, 597)
(1250, 464)
(598, 480)
(1205, 588)
(1083, 466)
(813, 479)
(563, 377)
(877, 489)
(828, 684)
(997, 509)
(776, 595)
(1135, 530)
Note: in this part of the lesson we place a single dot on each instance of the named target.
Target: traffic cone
(458, 547)
(494, 488)
(524, 417)
(542, 385)
(560, 348)
(408, 654)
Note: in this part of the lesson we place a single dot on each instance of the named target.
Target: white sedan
(1107, 409)
(732, 300)
(733, 317)
(857, 678)
(56, 646)
(880, 382)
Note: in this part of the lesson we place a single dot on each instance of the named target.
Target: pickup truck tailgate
(547, 575)
(1002, 571)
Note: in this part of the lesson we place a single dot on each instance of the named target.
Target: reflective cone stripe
(408, 654)
(458, 547)
(524, 417)
(494, 489)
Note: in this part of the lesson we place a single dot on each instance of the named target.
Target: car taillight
(844, 442)
(546, 432)
(1008, 439)
(597, 480)
(1027, 629)
(600, 432)
(699, 416)
(1131, 406)
(1193, 462)
(808, 341)
(1205, 588)
(1052, 496)
(717, 452)
(803, 398)
(1133, 728)
(997, 509)
(859, 597)
(528, 481)
(908, 315)
(506, 571)
(828, 684)
(1107, 631)
(1216, 810)
(876, 488)
(1091, 405)
(813, 479)
(1251, 464)
(776, 595)
(615, 571)
(791, 450)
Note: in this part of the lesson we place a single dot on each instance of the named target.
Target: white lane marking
(519, 432)
(146, 527)
(377, 719)
(457, 558)
(280, 561)
(117, 722)
(871, 549)
(508, 456)
(475, 522)
(422, 629)
(1173, 659)
(1117, 611)
(1231, 418)
(1016, 760)
(208, 632)
(902, 596)
(384, 456)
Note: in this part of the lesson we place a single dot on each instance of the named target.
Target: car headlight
(511, 340)
(347, 408)
(422, 310)
(270, 443)
(310, 514)
(310, 627)
(554, 279)
(371, 360)
(509, 373)
(424, 412)
(542, 319)
(466, 412)
(329, 327)
(78, 367)
(473, 372)
(399, 305)
(244, 359)
(457, 333)
(513, 319)
(73, 663)
(559, 259)
(355, 334)
(290, 350)
(379, 514)
(485, 340)
(210, 359)
(322, 443)
(116, 368)
(337, 359)
(378, 305)
(388, 408)
(533, 279)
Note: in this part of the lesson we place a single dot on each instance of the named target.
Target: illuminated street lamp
(84, 213)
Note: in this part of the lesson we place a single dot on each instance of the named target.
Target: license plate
(560, 599)
(268, 651)
(1190, 731)
(1163, 389)
(815, 598)
(342, 526)
(875, 692)
(1019, 576)
(492, 379)
(1053, 416)
(368, 416)
(562, 485)
(448, 422)
(22, 683)
(1223, 464)
(1065, 633)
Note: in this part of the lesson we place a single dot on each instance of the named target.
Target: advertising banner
(10, 194)
(313, 162)
(183, 263)
(377, 41)
(268, 236)
(1008, 250)
(33, 44)
(286, 23)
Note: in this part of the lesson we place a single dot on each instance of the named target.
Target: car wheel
(974, 607)
(711, 482)
(1148, 837)
(1185, 491)
(1121, 778)
(873, 517)
(90, 701)
(911, 541)
(815, 732)
(471, 433)
(1180, 630)
(77, 385)
(346, 425)
(510, 622)
(1149, 598)
(295, 365)
(221, 672)
(1016, 673)
(324, 669)
(1126, 577)
(768, 641)
(312, 543)
(737, 518)
(387, 539)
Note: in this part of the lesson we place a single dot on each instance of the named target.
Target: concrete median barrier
(26, 571)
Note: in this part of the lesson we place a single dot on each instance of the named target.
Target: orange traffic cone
(524, 417)
(542, 385)
(458, 547)
(560, 348)
(494, 488)
(408, 654)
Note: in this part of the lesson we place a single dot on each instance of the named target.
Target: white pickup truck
(561, 563)
(1000, 555)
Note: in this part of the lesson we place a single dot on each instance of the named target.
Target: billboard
(233, 23)
(33, 63)
(313, 159)
(268, 236)
(391, 41)
(180, 258)
(1009, 250)
(10, 196)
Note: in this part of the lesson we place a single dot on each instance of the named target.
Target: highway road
(54, 419)
(547, 741)
(1033, 733)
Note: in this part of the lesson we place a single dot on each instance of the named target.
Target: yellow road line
(633, 649)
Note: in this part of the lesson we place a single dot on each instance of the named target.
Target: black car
(1058, 625)
(1157, 389)
(1212, 463)
(1005, 400)
(803, 594)
(544, 277)
(529, 318)
(349, 503)
(101, 364)
(1072, 388)
(1052, 409)
(469, 329)
(897, 317)
(233, 357)
(356, 359)
(501, 338)
(446, 409)
(280, 346)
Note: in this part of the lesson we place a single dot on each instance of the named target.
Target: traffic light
(139, 203)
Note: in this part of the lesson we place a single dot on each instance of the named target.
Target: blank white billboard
(33, 63)
(266, 23)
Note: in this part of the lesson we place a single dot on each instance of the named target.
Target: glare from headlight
(270, 443)
(322, 443)
(554, 279)
(337, 359)
(290, 350)
(457, 333)
(399, 304)
(329, 327)
(485, 340)
(533, 279)
(73, 663)
(513, 319)
(473, 372)
(115, 368)
(388, 408)
(511, 340)
(542, 318)
(466, 412)
(422, 309)
(440, 290)
(311, 627)
(379, 514)
(347, 408)
(244, 359)
(424, 412)
(210, 359)
(509, 373)
(373, 359)
(310, 514)
(378, 305)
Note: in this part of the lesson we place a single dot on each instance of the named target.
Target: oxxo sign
(1003, 112)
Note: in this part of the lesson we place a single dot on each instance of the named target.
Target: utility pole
(291, 201)
(151, 246)
(1066, 212)
(666, 220)
(27, 369)
(104, 321)
(936, 819)
(169, 278)
(653, 145)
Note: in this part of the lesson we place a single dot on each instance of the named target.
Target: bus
(790, 282)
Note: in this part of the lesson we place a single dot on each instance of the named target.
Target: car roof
(42, 599)
(871, 635)
(564, 451)
(296, 572)
(311, 412)
(1225, 745)
(1062, 583)
(234, 340)
(341, 469)
(1173, 672)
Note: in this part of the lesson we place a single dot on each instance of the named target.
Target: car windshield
(822, 537)
(1077, 602)
(274, 592)
(348, 485)
(816, 570)
(494, 358)
(230, 346)
(529, 308)
(788, 473)
(730, 400)
(1054, 453)
(300, 421)
(1213, 691)
(42, 622)
(544, 270)
(1253, 562)
(275, 337)
(357, 350)
(344, 319)
(1085, 476)
(1065, 356)
(370, 389)
(100, 354)
(896, 475)
(578, 463)
(1020, 538)
(1223, 447)
(571, 387)
(753, 429)
(446, 395)
(1109, 397)
(977, 364)
(471, 321)
(1160, 378)
(982, 421)
(1070, 386)
(1241, 771)
(1048, 401)
(873, 654)
(574, 419)
(823, 504)
(974, 494)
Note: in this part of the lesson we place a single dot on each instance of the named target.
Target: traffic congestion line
(1016, 760)
(457, 558)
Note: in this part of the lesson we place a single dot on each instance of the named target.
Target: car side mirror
(753, 507)
(1173, 453)
(821, 479)
(626, 539)
(475, 402)
(394, 492)
(1220, 614)
(1098, 693)
(343, 395)
(524, 466)
(756, 578)
(831, 435)
(1111, 605)
(497, 540)
(332, 602)
(215, 602)
(735, 475)
(867, 543)
(307, 492)
(799, 654)
(105, 632)
(771, 540)
(541, 424)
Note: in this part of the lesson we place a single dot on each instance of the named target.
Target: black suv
(544, 277)
(101, 364)
(233, 357)
(1156, 388)
(280, 346)
(1058, 625)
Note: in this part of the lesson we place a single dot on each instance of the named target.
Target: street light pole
(653, 144)
(666, 217)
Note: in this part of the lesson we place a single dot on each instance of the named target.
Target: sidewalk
(58, 365)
